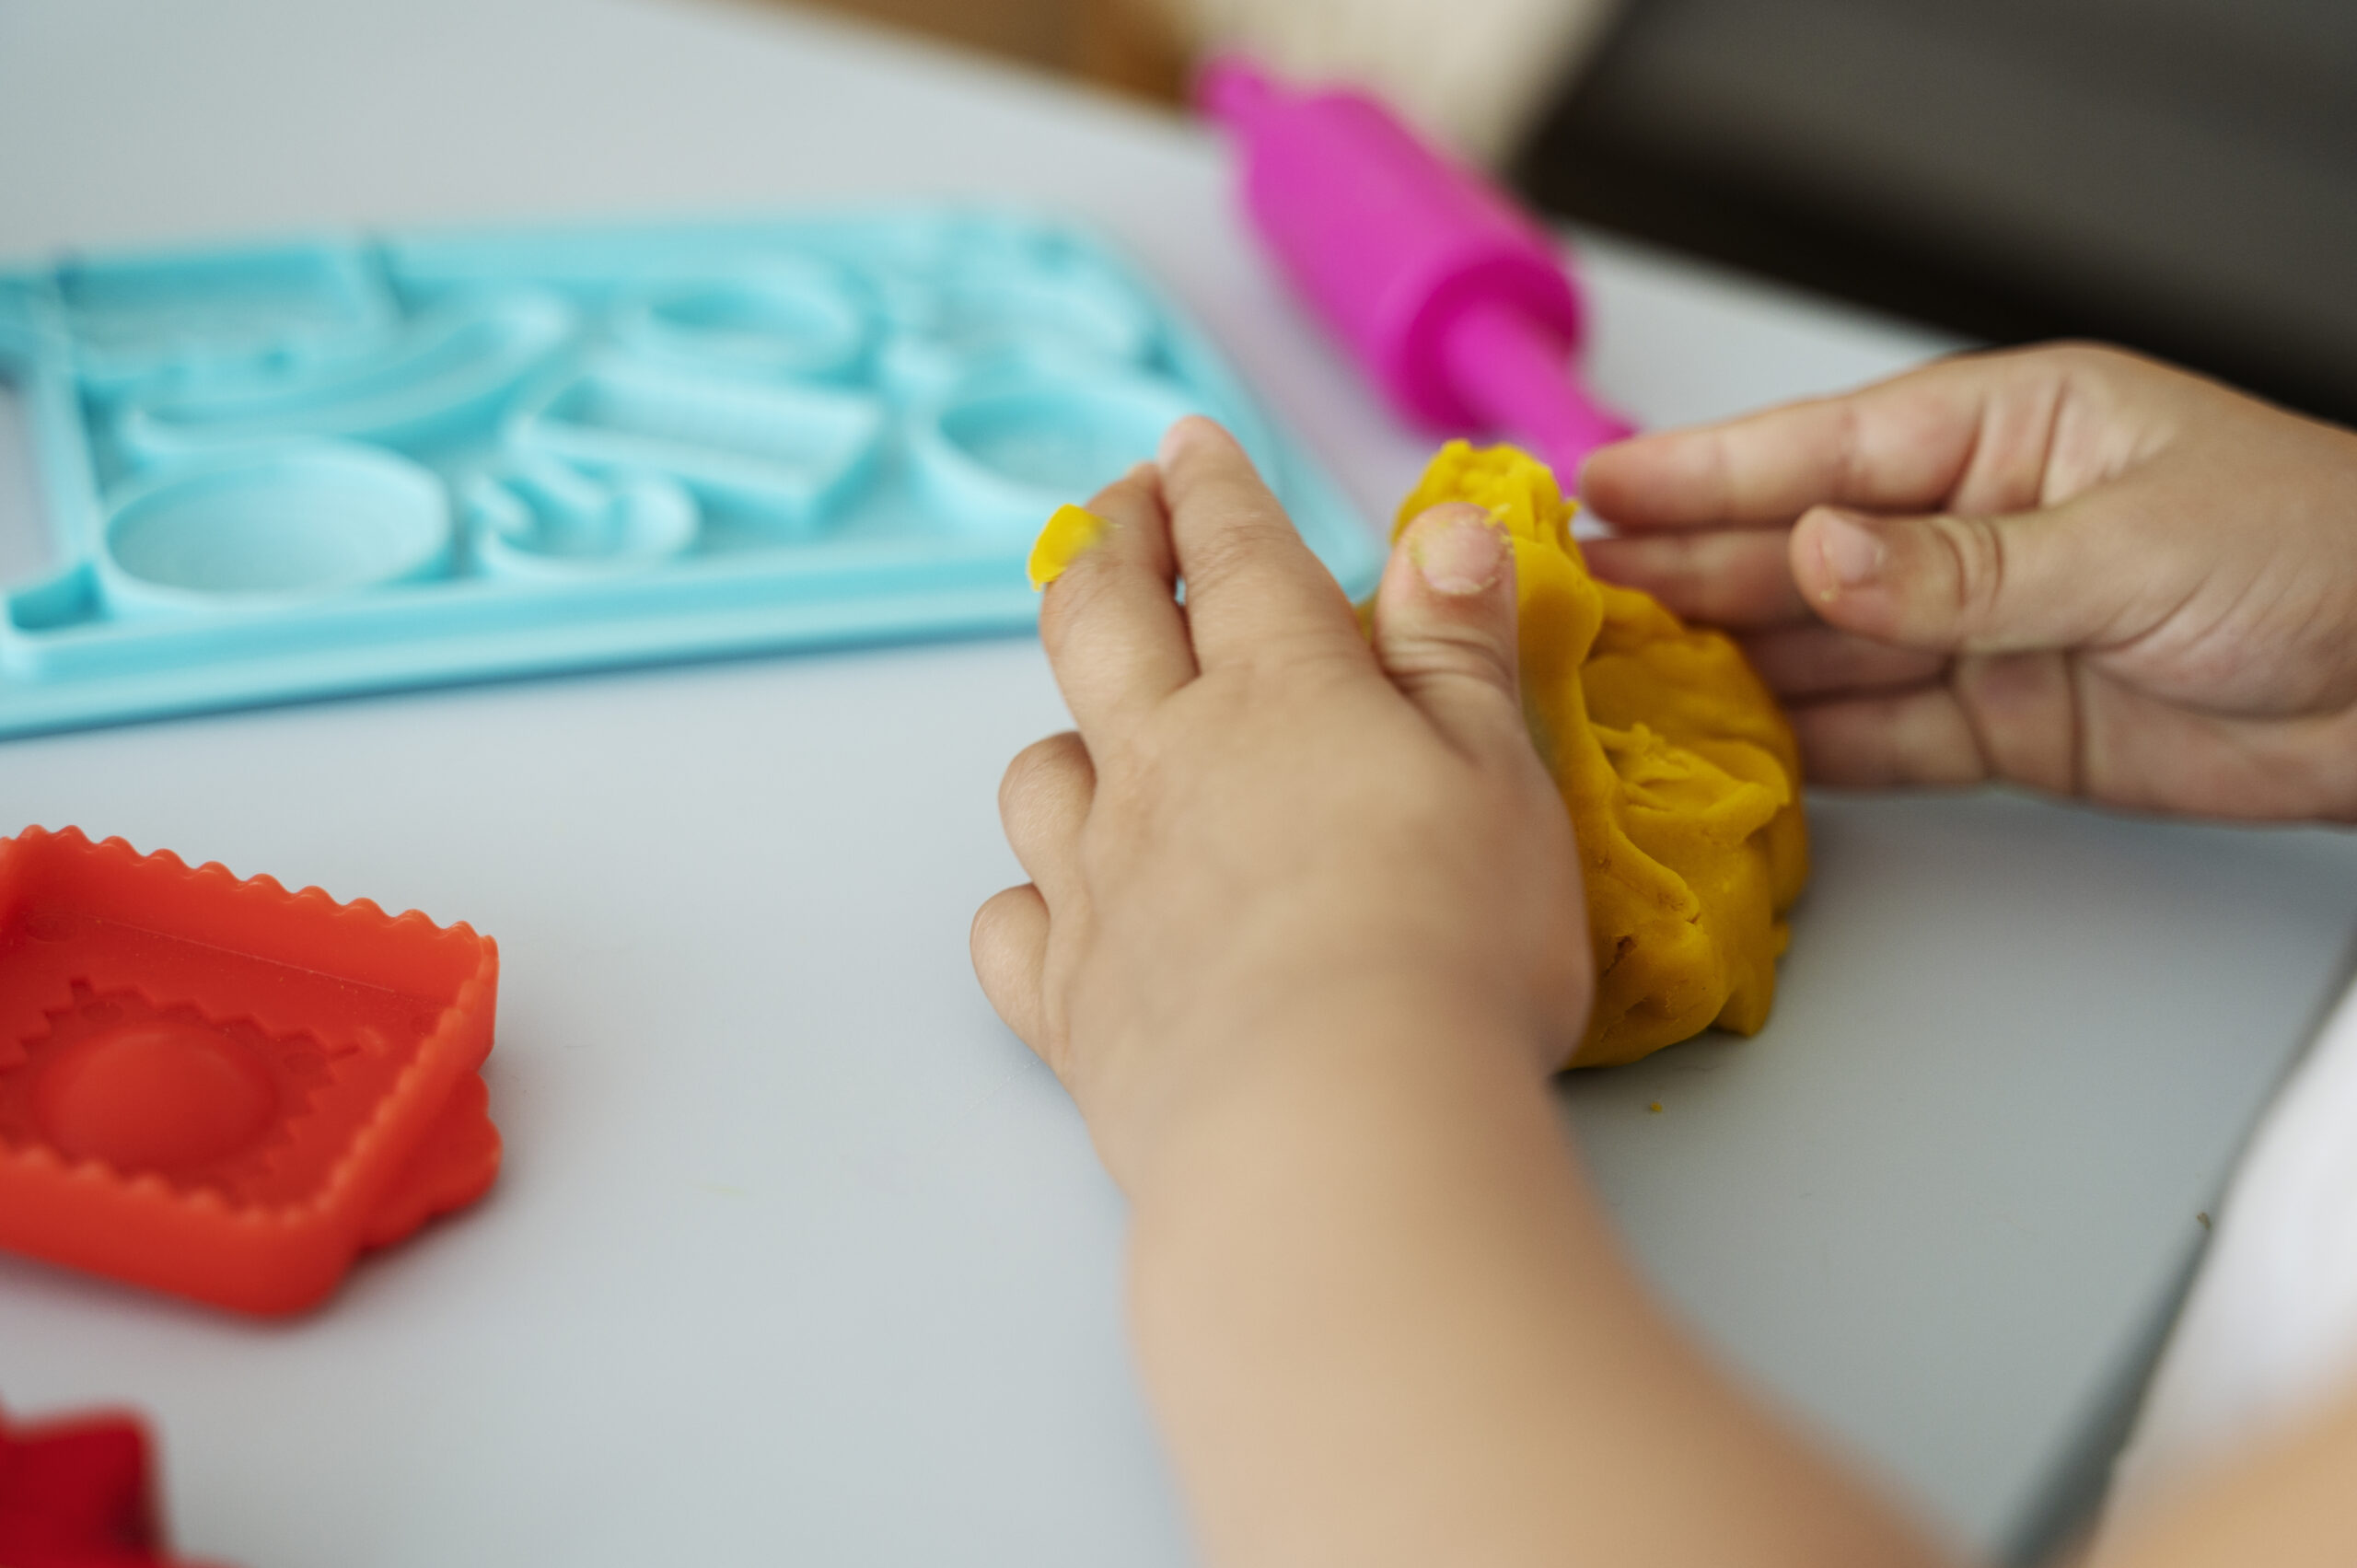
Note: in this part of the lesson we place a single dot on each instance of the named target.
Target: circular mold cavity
(542, 520)
(275, 525)
(162, 1094)
(1002, 455)
(1041, 321)
(796, 322)
(1076, 311)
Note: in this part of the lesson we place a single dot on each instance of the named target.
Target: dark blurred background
(2177, 175)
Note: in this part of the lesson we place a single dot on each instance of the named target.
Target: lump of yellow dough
(1681, 774)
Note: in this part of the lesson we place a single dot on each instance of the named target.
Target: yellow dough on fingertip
(1071, 532)
(1680, 773)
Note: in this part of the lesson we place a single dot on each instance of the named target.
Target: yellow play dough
(1680, 773)
(1071, 532)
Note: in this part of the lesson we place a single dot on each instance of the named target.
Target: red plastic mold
(79, 1493)
(224, 1089)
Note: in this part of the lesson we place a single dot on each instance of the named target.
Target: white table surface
(798, 1256)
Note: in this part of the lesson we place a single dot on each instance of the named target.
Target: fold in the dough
(1680, 773)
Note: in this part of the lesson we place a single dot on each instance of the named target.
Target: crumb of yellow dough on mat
(1680, 773)
(1071, 532)
(1654, 1108)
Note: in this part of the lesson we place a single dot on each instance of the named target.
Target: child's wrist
(1285, 1070)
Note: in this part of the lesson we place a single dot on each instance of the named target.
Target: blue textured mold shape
(802, 320)
(993, 320)
(770, 449)
(262, 526)
(137, 318)
(544, 519)
(448, 368)
(312, 467)
(1009, 447)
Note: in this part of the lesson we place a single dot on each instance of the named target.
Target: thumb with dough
(1443, 626)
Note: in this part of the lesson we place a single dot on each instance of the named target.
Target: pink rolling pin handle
(1516, 373)
(1452, 299)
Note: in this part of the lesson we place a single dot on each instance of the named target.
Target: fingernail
(1071, 532)
(1852, 552)
(1183, 434)
(1459, 548)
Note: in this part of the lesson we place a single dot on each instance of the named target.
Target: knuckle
(1672, 573)
(991, 936)
(1034, 769)
(1310, 658)
(2079, 353)
(1850, 443)
(1222, 558)
(989, 917)
(1456, 668)
(1976, 551)
(1720, 473)
(1449, 653)
(1716, 586)
(1065, 605)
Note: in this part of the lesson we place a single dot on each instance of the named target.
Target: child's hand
(2131, 585)
(1266, 830)
(1303, 935)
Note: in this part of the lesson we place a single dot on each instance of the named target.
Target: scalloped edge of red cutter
(427, 1145)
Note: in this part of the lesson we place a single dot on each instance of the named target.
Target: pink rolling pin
(1454, 301)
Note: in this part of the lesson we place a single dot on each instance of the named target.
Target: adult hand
(1303, 937)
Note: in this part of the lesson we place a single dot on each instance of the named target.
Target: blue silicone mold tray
(310, 468)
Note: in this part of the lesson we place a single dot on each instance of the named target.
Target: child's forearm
(1383, 1322)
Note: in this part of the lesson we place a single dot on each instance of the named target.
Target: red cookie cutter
(224, 1089)
(79, 1493)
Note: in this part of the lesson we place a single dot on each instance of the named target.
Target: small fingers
(1739, 579)
(1806, 663)
(1902, 443)
(1043, 802)
(1009, 942)
(1110, 622)
(1251, 583)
